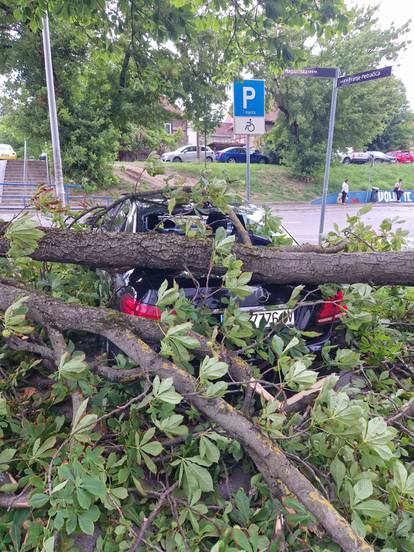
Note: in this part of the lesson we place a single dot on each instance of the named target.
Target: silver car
(188, 154)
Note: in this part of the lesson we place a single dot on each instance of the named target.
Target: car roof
(233, 148)
(5, 146)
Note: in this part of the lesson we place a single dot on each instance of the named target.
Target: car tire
(378, 160)
(263, 161)
(231, 160)
(177, 160)
(209, 159)
(346, 161)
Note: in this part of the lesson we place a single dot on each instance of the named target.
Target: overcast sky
(398, 11)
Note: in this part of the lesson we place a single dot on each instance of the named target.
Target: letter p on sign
(249, 93)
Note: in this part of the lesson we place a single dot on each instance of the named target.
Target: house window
(168, 128)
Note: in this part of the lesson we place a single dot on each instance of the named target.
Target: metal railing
(23, 200)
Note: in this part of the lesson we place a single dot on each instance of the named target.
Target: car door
(241, 155)
(190, 154)
(255, 156)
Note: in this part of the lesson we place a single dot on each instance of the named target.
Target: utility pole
(54, 129)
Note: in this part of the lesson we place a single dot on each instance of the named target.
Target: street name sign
(249, 106)
(365, 76)
(317, 72)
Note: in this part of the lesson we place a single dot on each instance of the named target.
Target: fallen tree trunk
(152, 250)
(269, 458)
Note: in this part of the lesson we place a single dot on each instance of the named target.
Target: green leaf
(38, 500)
(23, 235)
(49, 545)
(208, 450)
(211, 368)
(71, 366)
(277, 345)
(120, 492)
(154, 448)
(94, 486)
(241, 539)
(362, 490)
(202, 476)
(48, 444)
(6, 455)
(299, 376)
(86, 525)
(373, 508)
(337, 470)
(59, 487)
(400, 475)
(84, 498)
(217, 389)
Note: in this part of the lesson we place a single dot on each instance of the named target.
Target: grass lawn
(270, 183)
(362, 177)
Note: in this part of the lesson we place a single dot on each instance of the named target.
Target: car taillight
(332, 309)
(129, 305)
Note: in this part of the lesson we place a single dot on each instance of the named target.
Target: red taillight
(332, 309)
(129, 305)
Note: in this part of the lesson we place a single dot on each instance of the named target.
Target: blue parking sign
(249, 98)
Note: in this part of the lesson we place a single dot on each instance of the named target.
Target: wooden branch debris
(151, 250)
(269, 458)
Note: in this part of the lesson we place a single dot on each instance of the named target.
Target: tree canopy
(114, 61)
(375, 112)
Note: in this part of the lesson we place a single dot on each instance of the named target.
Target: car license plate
(272, 317)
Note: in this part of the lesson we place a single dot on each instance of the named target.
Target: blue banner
(384, 196)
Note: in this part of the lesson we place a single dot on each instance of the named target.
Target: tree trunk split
(152, 250)
(122, 330)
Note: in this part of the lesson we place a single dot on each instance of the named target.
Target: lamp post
(54, 129)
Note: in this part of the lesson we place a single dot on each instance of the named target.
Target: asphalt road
(302, 220)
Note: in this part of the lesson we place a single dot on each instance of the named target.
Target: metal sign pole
(328, 153)
(248, 168)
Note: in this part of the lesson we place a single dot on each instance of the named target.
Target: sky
(399, 12)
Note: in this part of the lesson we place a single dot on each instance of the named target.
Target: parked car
(136, 291)
(367, 157)
(238, 155)
(188, 154)
(7, 152)
(402, 156)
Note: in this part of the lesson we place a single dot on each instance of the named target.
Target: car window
(115, 219)
(191, 148)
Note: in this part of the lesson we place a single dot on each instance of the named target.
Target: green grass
(268, 182)
(272, 183)
(362, 177)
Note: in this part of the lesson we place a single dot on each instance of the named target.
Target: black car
(136, 291)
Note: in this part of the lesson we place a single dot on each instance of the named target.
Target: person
(398, 189)
(345, 191)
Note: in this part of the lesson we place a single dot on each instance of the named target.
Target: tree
(113, 66)
(363, 111)
(136, 453)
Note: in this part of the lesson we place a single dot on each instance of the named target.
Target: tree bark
(269, 458)
(121, 251)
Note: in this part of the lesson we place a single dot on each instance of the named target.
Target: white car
(188, 154)
(7, 152)
(367, 157)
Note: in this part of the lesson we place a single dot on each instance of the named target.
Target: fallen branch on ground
(269, 458)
